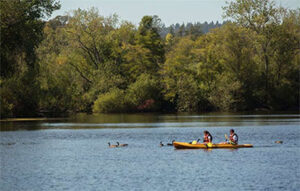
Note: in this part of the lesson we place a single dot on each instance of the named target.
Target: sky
(170, 11)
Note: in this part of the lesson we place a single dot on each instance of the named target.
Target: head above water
(206, 132)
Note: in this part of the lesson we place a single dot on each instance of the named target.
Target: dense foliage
(84, 62)
(21, 33)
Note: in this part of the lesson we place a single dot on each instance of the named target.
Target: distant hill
(189, 28)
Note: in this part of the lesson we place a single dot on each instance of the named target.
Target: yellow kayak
(183, 145)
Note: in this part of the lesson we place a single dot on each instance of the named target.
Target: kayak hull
(183, 145)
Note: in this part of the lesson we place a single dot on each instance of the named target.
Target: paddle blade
(226, 137)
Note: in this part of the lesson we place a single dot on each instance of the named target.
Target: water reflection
(207, 150)
(149, 120)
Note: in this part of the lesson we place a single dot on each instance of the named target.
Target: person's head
(206, 133)
(231, 131)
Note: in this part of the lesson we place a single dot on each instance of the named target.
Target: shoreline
(65, 116)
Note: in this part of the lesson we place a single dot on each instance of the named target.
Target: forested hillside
(188, 28)
(85, 62)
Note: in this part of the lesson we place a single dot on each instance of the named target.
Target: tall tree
(90, 50)
(21, 32)
(148, 38)
(261, 16)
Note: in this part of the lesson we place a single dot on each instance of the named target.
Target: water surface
(72, 153)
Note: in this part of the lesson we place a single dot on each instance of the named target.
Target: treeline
(188, 28)
(84, 62)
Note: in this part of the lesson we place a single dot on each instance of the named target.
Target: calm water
(72, 154)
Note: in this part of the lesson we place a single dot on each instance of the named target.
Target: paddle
(194, 142)
(209, 145)
(226, 137)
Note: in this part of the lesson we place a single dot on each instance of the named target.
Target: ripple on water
(79, 159)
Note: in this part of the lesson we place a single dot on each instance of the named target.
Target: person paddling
(233, 138)
(207, 137)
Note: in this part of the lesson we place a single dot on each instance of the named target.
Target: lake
(73, 154)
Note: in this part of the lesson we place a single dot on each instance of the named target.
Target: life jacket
(207, 138)
(232, 140)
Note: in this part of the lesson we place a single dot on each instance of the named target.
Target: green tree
(144, 94)
(261, 16)
(286, 64)
(110, 102)
(61, 87)
(169, 42)
(148, 37)
(194, 31)
(181, 84)
(240, 71)
(181, 31)
(89, 50)
(21, 32)
(266, 19)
